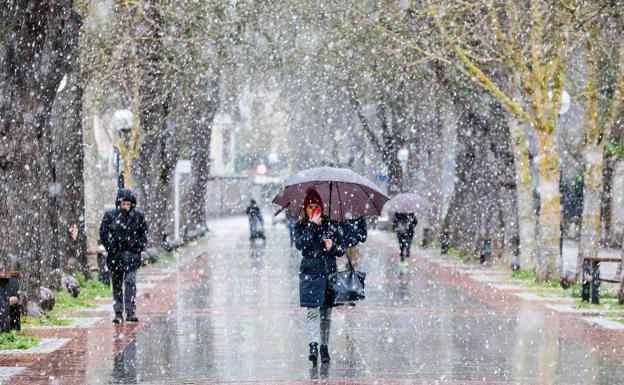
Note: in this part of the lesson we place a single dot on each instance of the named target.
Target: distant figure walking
(123, 233)
(320, 243)
(404, 226)
(291, 222)
(256, 223)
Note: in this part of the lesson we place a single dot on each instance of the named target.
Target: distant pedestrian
(291, 222)
(320, 242)
(123, 233)
(404, 225)
(256, 222)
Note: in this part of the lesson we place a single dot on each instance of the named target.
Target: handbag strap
(349, 262)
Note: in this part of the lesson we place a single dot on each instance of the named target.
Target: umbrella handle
(330, 200)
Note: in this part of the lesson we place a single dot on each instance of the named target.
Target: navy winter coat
(317, 263)
(124, 233)
(354, 231)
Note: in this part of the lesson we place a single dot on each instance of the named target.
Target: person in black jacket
(256, 223)
(404, 226)
(123, 233)
(320, 242)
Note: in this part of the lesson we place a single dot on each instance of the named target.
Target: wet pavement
(232, 316)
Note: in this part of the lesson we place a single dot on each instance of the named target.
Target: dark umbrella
(352, 195)
(408, 203)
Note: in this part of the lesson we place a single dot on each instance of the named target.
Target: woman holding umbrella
(320, 243)
(318, 235)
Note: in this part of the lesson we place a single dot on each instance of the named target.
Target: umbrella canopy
(408, 203)
(352, 195)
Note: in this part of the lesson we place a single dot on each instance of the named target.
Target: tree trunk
(67, 168)
(476, 212)
(527, 222)
(390, 150)
(550, 208)
(34, 51)
(153, 94)
(200, 154)
(592, 198)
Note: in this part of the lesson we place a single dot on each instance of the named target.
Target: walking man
(256, 223)
(123, 234)
(404, 225)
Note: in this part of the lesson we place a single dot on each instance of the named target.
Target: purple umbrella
(408, 203)
(352, 195)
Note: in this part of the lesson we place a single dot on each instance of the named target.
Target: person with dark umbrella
(320, 242)
(123, 233)
(404, 226)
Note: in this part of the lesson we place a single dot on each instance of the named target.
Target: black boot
(118, 318)
(324, 354)
(131, 317)
(313, 353)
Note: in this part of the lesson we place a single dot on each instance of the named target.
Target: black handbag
(346, 286)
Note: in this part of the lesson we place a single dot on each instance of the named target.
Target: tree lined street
(231, 316)
(504, 118)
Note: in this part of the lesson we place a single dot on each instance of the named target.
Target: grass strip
(14, 340)
(50, 320)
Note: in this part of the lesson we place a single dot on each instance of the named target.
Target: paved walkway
(231, 315)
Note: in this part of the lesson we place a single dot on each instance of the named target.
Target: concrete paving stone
(152, 277)
(487, 278)
(47, 345)
(605, 323)
(568, 309)
(506, 286)
(7, 372)
(530, 297)
(145, 285)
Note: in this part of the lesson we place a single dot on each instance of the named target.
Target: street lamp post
(121, 124)
(403, 156)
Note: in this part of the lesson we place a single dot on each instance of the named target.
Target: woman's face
(311, 207)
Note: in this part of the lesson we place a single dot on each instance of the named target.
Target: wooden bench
(591, 279)
(9, 301)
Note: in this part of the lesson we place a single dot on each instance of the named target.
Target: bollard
(444, 242)
(14, 308)
(9, 298)
(426, 238)
(595, 283)
(515, 252)
(591, 281)
(586, 281)
(103, 273)
(485, 256)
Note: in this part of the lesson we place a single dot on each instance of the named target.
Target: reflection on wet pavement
(241, 322)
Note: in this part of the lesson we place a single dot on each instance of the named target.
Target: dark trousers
(120, 278)
(405, 243)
